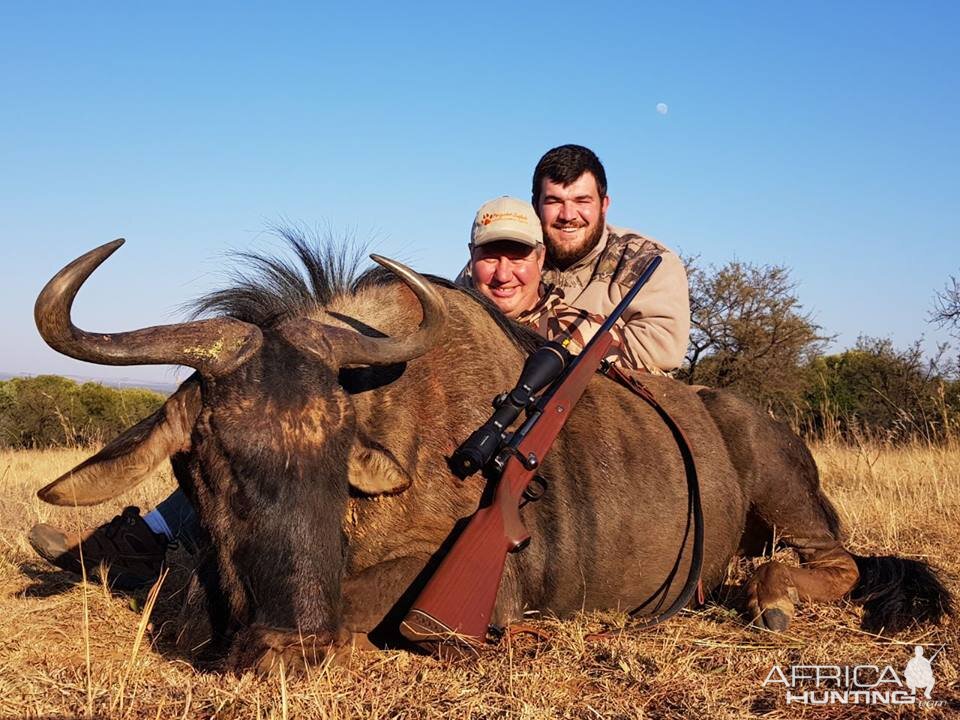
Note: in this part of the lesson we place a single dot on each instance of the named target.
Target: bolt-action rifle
(457, 601)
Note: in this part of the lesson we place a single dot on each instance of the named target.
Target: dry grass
(72, 649)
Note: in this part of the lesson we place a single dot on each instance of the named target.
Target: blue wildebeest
(314, 437)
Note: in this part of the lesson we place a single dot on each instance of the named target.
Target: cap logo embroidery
(488, 218)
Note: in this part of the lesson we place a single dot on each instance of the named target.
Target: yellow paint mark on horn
(214, 351)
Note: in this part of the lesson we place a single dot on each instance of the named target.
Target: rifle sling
(692, 586)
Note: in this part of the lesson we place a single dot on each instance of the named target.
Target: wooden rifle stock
(459, 597)
(457, 601)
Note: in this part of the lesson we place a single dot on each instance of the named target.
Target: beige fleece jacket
(654, 331)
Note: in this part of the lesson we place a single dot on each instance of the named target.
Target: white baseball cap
(506, 218)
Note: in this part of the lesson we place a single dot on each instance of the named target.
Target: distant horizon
(164, 387)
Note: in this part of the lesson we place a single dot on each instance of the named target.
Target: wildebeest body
(316, 456)
(607, 531)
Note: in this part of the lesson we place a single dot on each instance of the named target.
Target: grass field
(70, 649)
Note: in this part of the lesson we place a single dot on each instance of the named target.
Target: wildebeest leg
(786, 497)
(370, 598)
(780, 479)
(827, 573)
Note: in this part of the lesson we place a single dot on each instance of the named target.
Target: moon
(662, 108)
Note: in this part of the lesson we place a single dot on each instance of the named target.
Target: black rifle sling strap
(694, 517)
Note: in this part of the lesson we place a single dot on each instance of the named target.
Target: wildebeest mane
(266, 289)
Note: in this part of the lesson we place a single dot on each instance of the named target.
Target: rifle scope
(541, 368)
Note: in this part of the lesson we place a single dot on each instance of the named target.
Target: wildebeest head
(262, 436)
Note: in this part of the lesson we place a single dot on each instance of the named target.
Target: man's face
(508, 273)
(572, 217)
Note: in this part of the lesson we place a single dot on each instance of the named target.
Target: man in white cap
(506, 255)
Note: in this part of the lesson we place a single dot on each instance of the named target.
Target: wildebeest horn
(352, 348)
(214, 347)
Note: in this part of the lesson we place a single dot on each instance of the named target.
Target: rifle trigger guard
(535, 489)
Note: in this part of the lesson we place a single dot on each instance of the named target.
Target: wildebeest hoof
(771, 597)
(774, 616)
(775, 619)
(265, 650)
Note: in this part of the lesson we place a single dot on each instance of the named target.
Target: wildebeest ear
(131, 457)
(373, 470)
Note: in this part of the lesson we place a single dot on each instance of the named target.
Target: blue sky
(822, 136)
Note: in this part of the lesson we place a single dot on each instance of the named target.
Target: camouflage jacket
(654, 331)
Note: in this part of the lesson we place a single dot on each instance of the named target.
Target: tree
(41, 411)
(946, 305)
(749, 333)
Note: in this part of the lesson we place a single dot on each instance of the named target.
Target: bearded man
(591, 265)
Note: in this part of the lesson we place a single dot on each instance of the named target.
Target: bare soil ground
(70, 649)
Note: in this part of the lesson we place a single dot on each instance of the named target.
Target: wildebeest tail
(896, 592)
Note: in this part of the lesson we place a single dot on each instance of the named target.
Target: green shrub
(879, 390)
(49, 410)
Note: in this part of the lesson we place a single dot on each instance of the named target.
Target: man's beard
(563, 257)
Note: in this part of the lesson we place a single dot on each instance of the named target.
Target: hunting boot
(132, 553)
